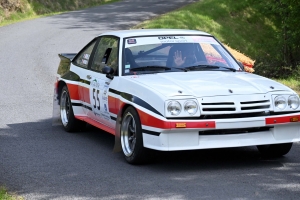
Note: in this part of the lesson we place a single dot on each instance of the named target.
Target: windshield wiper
(204, 67)
(149, 67)
(159, 67)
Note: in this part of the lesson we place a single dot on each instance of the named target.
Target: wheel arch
(117, 146)
(59, 88)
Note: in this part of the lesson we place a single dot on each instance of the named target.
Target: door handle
(88, 76)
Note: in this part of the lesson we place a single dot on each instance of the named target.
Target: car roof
(146, 32)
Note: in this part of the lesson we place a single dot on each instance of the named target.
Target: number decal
(98, 91)
(96, 99)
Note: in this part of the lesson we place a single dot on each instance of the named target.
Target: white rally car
(173, 90)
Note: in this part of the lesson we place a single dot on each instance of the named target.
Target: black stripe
(85, 81)
(113, 118)
(151, 132)
(114, 91)
(135, 100)
(80, 104)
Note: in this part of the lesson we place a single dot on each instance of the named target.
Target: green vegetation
(5, 196)
(267, 31)
(293, 83)
(12, 11)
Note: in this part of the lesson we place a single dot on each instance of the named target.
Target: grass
(292, 83)
(27, 10)
(239, 24)
(5, 196)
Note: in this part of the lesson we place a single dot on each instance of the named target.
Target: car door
(80, 67)
(106, 54)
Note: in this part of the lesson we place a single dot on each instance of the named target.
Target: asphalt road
(41, 161)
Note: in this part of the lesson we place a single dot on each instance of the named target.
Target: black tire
(68, 120)
(132, 138)
(274, 150)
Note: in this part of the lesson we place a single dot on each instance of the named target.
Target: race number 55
(96, 98)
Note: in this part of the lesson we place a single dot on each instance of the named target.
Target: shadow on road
(56, 164)
(115, 16)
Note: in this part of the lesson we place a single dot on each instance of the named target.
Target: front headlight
(190, 107)
(174, 108)
(293, 102)
(280, 102)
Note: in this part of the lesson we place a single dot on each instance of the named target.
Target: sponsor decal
(167, 37)
(86, 56)
(131, 41)
(85, 62)
(172, 39)
(95, 84)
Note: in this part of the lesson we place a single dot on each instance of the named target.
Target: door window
(106, 54)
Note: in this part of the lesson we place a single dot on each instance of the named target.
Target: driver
(184, 56)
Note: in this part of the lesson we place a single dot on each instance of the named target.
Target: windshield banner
(131, 42)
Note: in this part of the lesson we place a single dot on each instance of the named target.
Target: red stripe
(149, 120)
(281, 120)
(85, 92)
(113, 104)
(73, 91)
(202, 124)
(96, 124)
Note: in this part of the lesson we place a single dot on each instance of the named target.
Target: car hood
(211, 83)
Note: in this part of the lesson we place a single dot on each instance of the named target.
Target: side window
(106, 54)
(83, 59)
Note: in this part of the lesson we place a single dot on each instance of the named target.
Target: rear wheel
(68, 120)
(274, 150)
(131, 137)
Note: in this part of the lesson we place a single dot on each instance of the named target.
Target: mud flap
(118, 147)
(56, 110)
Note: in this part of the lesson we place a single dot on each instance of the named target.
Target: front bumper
(198, 134)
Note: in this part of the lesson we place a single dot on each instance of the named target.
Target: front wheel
(274, 150)
(67, 117)
(131, 137)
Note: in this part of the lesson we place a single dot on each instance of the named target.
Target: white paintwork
(150, 32)
(190, 139)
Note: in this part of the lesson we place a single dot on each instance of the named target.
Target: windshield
(164, 54)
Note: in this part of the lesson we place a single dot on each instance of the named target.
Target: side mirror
(108, 71)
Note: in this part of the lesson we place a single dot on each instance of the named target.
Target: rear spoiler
(65, 63)
(68, 56)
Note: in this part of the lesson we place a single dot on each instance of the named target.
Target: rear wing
(65, 63)
(68, 56)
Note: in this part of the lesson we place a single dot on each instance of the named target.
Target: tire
(274, 150)
(68, 120)
(132, 138)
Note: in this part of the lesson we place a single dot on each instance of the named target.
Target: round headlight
(293, 102)
(280, 102)
(190, 107)
(174, 108)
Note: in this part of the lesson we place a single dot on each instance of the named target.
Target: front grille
(236, 115)
(255, 105)
(234, 131)
(243, 108)
(218, 107)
